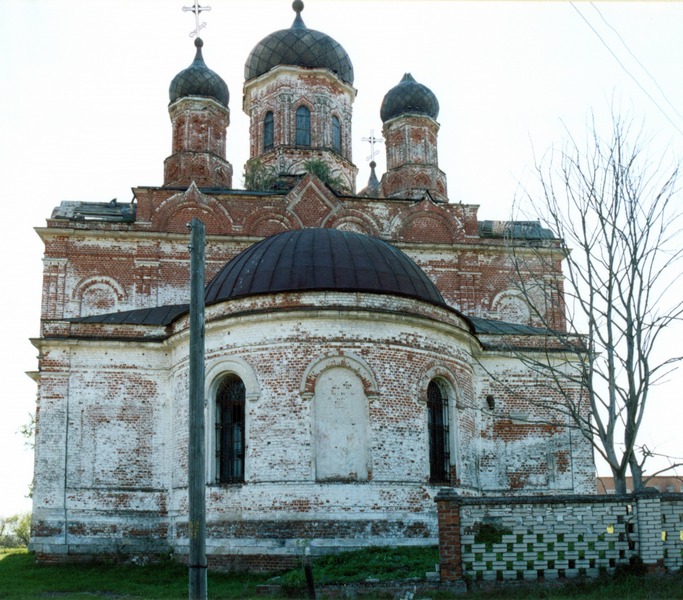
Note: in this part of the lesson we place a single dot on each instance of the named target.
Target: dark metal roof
(409, 97)
(503, 328)
(300, 47)
(321, 259)
(161, 315)
(519, 230)
(199, 80)
(165, 315)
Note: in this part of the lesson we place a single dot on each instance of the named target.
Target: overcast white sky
(83, 116)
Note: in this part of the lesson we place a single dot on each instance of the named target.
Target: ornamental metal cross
(373, 140)
(196, 9)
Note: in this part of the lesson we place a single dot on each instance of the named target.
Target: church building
(364, 349)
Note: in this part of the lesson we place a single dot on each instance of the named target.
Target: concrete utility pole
(196, 463)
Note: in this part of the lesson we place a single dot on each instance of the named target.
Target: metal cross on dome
(373, 140)
(196, 9)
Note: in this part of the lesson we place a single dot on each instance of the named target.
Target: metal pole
(196, 463)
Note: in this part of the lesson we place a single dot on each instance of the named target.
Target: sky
(83, 116)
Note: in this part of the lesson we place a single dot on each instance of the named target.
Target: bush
(259, 177)
(322, 171)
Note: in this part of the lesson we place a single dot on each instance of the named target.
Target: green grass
(22, 579)
(383, 564)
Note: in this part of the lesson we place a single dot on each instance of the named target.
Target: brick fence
(547, 537)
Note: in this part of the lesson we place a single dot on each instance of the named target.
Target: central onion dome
(321, 260)
(409, 97)
(199, 80)
(299, 46)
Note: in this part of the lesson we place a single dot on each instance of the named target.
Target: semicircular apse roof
(319, 259)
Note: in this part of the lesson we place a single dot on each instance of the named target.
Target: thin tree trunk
(636, 473)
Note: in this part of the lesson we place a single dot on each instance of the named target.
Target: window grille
(303, 126)
(230, 430)
(437, 423)
(268, 130)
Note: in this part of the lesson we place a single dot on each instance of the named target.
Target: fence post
(450, 550)
(650, 544)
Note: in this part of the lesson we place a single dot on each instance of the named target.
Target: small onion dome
(409, 97)
(372, 189)
(199, 80)
(320, 259)
(300, 47)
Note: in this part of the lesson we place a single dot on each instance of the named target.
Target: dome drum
(283, 90)
(273, 102)
(196, 124)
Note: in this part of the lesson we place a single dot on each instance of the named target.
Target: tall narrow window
(268, 128)
(336, 134)
(230, 430)
(303, 126)
(437, 423)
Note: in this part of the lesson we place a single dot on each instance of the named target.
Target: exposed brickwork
(336, 438)
(147, 265)
(199, 130)
(280, 92)
(412, 159)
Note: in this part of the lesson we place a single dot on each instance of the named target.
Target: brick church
(362, 347)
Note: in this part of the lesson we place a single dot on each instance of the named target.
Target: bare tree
(618, 229)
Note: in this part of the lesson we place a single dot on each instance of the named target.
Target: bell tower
(200, 117)
(298, 94)
(409, 111)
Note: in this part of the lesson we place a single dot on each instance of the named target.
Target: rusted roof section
(95, 211)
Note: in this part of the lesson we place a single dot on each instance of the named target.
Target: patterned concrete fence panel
(547, 537)
(672, 531)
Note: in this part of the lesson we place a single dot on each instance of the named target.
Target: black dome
(300, 47)
(199, 80)
(321, 259)
(409, 97)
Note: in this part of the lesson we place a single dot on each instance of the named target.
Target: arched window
(230, 430)
(437, 425)
(268, 129)
(336, 134)
(303, 126)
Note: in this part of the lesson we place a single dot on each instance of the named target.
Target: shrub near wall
(507, 538)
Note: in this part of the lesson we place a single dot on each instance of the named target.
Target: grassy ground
(21, 578)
